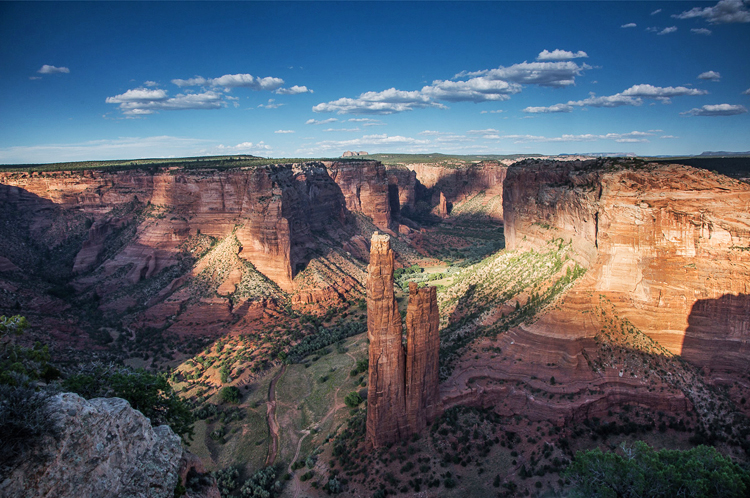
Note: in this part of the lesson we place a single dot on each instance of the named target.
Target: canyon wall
(669, 246)
(274, 210)
(403, 394)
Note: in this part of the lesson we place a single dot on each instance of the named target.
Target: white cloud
(629, 25)
(701, 31)
(488, 131)
(559, 55)
(150, 83)
(341, 129)
(197, 81)
(554, 74)
(473, 90)
(367, 121)
(497, 111)
(710, 75)
(322, 121)
(229, 81)
(615, 100)
(668, 136)
(47, 69)
(433, 133)
(296, 89)
(242, 147)
(667, 31)
(272, 104)
(655, 12)
(550, 109)
(35, 77)
(746, 92)
(385, 102)
(142, 101)
(284, 131)
(716, 110)
(659, 92)
(726, 11)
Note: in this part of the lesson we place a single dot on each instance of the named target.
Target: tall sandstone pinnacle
(403, 386)
(422, 362)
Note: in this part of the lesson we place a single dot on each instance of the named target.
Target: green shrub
(353, 399)
(230, 394)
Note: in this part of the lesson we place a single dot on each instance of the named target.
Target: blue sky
(110, 80)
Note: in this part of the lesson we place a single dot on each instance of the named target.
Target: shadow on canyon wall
(718, 334)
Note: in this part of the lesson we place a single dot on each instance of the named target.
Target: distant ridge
(724, 153)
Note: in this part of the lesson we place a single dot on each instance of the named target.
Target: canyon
(615, 286)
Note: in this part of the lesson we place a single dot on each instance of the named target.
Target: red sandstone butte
(422, 357)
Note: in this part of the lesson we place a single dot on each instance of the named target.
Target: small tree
(353, 399)
(230, 394)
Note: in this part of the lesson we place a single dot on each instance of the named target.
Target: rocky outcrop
(386, 391)
(349, 153)
(104, 449)
(403, 386)
(669, 246)
(365, 188)
(422, 355)
(443, 206)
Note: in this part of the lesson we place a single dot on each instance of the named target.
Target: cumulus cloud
(196, 81)
(473, 90)
(367, 121)
(710, 75)
(553, 74)
(629, 25)
(47, 69)
(726, 11)
(701, 31)
(550, 109)
(668, 30)
(271, 104)
(633, 96)
(284, 131)
(385, 102)
(668, 136)
(143, 101)
(322, 121)
(150, 83)
(296, 89)
(560, 55)
(242, 147)
(716, 110)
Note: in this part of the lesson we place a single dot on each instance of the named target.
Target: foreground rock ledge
(105, 448)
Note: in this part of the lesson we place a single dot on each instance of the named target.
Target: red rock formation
(386, 408)
(667, 245)
(443, 206)
(403, 390)
(422, 351)
(365, 188)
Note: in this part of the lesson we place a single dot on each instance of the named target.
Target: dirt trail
(273, 424)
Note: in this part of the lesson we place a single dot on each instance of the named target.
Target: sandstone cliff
(365, 188)
(668, 245)
(403, 393)
(104, 449)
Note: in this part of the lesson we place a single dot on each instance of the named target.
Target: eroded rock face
(443, 206)
(365, 188)
(386, 391)
(667, 245)
(105, 449)
(422, 357)
(403, 390)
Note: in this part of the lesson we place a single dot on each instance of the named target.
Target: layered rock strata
(669, 246)
(403, 386)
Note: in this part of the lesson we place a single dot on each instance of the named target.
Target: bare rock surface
(104, 449)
